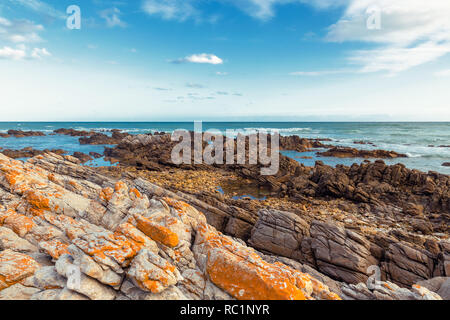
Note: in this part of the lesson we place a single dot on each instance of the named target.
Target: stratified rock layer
(86, 236)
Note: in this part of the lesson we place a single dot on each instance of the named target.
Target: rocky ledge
(131, 239)
(345, 152)
(21, 134)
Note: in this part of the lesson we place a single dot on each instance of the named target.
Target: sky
(225, 60)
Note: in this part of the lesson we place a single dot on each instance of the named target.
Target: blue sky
(151, 60)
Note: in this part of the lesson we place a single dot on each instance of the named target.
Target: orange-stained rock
(135, 192)
(19, 223)
(156, 232)
(152, 273)
(113, 250)
(106, 194)
(15, 267)
(54, 248)
(243, 274)
(38, 202)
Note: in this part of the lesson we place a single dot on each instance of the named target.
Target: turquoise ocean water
(420, 141)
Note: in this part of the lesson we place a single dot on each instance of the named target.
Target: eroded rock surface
(126, 242)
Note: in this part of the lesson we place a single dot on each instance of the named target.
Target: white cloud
(219, 73)
(20, 31)
(182, 10)
(12, 54)
(21, 52)
(39, 53)
(413, 32)
(112, 18)
(204, 58)
(170, 9)
(40, 7)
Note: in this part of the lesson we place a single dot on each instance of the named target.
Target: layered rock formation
(127, 243)
(68, 232)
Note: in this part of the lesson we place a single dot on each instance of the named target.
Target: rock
(14, 267)
(280, 233)
(446, 164)
(87, 286)
(131, 239)
(18, 292)
(82, 157)
(29, 152)
(339, 253)
(444, 290)
(406, 265)
(100, 138)
(74, 133)
(413, 209)
(22, 134)
(152, 273)
(382, 290)
(95, 155)
(344, 152)
(10, 240)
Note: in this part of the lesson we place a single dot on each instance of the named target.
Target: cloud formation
(19, 31)
(112, 18)
(21, 53)
(412, 32)
(202, 58)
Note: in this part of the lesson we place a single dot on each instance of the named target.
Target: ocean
(426, 144)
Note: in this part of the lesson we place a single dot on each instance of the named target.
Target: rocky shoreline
(149, 229)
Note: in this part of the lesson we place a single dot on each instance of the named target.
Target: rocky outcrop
(345, 152)
(298, 144)
(82, 157)
(446, 164)
(87, 236)
(346, 255)
(73, 132)
(22, 134)
(98, 138)
(29, 152)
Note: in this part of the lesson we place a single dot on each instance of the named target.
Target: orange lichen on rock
(135, 192)
(119, 186)
(105, 246)
(14, 267)
(37, 201)
(54, 248)
(156, 232)
(246, 276)
(19, 223)
(106, 194)
(5, 214)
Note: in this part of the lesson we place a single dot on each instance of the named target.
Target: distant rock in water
(345, 152)
(82, 157)
(446, 164)
(22, 134)
(100, 138)
(73, 132)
